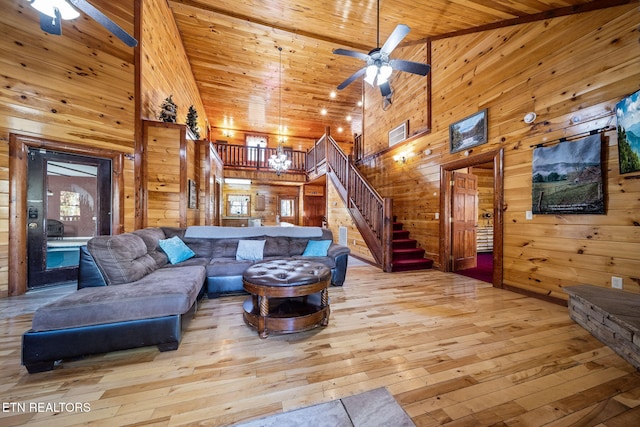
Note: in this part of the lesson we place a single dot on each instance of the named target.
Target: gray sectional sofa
(130, 294)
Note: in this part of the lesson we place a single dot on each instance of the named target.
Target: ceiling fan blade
(385, 89)
(351, 53)
(410, 67)
(395, 38)
(353, 77)
(51, 25)
(103, 20)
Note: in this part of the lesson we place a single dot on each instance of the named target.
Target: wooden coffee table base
(286, 315)
(287, 295)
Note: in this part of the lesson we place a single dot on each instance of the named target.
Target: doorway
(288, 210)
(461, 246)
(20, 147)
(69, 201)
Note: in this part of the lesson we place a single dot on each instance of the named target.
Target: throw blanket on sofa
(215, 232)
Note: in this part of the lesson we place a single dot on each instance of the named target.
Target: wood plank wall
(578, 65)
(165, 68)
(169, 165)
(77, 89)
(162, 143)
(339, 216)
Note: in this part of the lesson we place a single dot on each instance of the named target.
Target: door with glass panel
(68, 202)
(288, 209)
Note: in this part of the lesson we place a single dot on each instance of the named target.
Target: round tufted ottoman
(287, 295)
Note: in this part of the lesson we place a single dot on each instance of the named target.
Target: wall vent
(398, 134)
(342, 236)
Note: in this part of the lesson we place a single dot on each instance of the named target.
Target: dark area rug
(483, 270)
(375, 408)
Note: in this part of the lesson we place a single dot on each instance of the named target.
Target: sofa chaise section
(131, 301)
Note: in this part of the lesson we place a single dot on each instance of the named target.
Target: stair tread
(412, 264)
(413, 261)
(407, 254)
(400, 233)
(404, 250)
(403, 244)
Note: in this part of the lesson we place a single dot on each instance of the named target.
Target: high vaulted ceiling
(232, 47)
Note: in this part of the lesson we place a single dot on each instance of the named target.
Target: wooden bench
(611, 315)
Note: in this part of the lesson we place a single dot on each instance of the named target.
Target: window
(256, 147)
(238, 205)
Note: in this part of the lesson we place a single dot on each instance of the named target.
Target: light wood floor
(452, 350)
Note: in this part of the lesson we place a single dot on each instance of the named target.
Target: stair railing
(317, 155)
(371, 213)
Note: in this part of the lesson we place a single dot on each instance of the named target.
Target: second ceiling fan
(379, 65)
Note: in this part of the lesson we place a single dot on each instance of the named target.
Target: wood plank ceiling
(232, 47)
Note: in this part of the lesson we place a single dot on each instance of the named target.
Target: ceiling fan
(379, 66)
(53, 11)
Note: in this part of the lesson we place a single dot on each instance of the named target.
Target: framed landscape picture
(468, 132)
(628, 114)
(567, 178)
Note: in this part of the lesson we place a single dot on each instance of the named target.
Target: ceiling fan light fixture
(385, 72)
(370, 75)
(48, 8)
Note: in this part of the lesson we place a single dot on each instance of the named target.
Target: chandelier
(279, 161)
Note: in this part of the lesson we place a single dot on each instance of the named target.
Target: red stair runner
(406, 255)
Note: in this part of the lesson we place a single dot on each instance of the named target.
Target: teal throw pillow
(251, 250)
(317, 248)
(176, 249)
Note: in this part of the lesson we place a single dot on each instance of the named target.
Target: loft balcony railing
(257, 158)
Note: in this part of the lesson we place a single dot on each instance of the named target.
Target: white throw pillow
(251, 250)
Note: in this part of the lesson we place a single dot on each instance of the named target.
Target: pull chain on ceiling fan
(379, 66)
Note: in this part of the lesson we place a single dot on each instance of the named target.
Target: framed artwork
(468, 132)
(628, 114)
(192, 195)
(567, 178)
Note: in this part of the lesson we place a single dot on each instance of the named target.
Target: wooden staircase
(406, 256)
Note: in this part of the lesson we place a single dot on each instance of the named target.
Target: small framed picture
(193, 195)
(468, 132)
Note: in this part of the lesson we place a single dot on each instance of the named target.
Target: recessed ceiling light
(348, 118)
(340, 129)
(359, 103)
(530, 117)
(323, 111)
(332, 94)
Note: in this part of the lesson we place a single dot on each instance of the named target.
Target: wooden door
(315, 205)
(464, 212)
